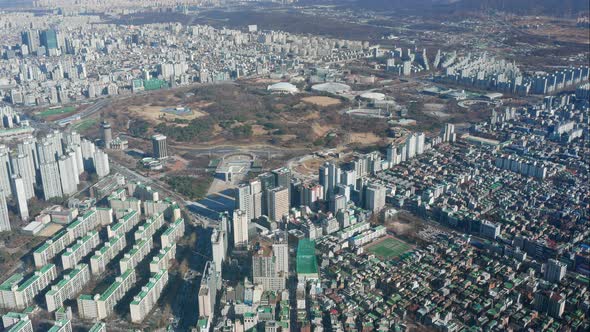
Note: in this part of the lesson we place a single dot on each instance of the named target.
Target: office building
(278, 203)
(240, 228)
(555, 270)
(68, 287)
(148, 297)
(100, 306)
(159, 147)
(49, 39)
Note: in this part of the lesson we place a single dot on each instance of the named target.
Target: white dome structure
(331, 87)
(372, 96)
(283, 87)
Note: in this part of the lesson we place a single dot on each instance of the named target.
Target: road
(258, 149)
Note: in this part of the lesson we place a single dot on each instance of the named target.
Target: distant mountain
(521, 7)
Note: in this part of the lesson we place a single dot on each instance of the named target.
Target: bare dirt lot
(156, 114)
(321, 100)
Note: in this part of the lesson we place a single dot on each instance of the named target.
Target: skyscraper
(68, 174)
(555, 270)
(18, 190)
(21, 166)
(240, 223)
(159, 146)
(208, 291)
(5, 174)
(50, 180)
(101, 163)
(244, 200)
(218, 248)
(375, 197)
(278, 203)
(4, 220)
(49, 39)
(420, 141)
(280, 249)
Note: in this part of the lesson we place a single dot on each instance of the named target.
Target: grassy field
(388, 248)
(85, 124)
(56, 111)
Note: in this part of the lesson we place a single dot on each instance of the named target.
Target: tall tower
(240, 223)
(160, 147)
(4, 220)
(107, 134)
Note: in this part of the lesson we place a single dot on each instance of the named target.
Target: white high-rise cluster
(52, 164)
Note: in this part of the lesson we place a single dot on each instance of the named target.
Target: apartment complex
(172, 233)
(136, 254)
(104, 255)
(147, 298)
(68, 287)
(79, 250)
(18, 294)
(101, 306)
(162, 260)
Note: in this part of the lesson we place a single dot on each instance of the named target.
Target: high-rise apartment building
(240, 228)
(278, 203)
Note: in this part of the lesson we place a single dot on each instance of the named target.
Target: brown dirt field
(321, 100)
(154, 113)
(311, 116)
(364, 138)
(266, 80)
(258, 130)
(49, 230)
(562, 30)
(320, 130)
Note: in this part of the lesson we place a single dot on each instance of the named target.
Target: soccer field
(389, 248)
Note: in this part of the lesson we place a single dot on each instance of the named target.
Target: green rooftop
(115, 285)
(306, 259)
(34, 278)
(142, 294)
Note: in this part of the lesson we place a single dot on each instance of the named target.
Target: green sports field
(389, 248)
(55, 111)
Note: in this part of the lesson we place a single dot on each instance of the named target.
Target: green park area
(56, 111)
(85, 125)
(389, 248)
